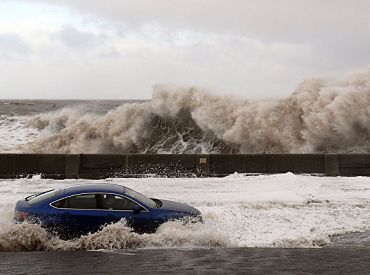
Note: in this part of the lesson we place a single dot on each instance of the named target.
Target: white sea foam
(15, 130)
(283, 210)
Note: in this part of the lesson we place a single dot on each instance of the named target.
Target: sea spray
(320, 116)
(32, 237)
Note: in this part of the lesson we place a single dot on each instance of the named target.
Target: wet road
(198, 261)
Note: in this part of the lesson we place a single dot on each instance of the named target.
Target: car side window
(85, 201)
(114, 202)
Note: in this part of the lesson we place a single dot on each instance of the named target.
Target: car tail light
(21, 215)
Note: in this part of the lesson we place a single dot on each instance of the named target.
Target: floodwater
(196, 261)
(283, 210)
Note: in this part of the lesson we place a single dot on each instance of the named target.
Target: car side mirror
(136, 209)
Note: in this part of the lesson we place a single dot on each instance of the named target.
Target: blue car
(78, 210)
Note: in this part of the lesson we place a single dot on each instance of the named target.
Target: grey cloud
(12, 43)
(72, 37)
(277, 19)
(338, 30)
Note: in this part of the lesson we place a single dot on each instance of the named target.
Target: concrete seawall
(113, 165)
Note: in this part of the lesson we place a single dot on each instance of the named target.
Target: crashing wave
(319, 116)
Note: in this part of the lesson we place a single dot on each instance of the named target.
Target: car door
(78, 214)
(116, 207)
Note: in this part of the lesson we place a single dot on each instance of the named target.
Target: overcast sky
(120, 49)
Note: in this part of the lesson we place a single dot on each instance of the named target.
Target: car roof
(101, 187)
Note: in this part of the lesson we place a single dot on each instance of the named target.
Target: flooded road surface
(195, 261)
(351, 240)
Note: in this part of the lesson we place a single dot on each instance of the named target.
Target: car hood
(178, 207)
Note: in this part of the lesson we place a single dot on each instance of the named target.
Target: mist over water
(319, 116)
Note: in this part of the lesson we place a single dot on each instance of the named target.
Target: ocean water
(16, 117)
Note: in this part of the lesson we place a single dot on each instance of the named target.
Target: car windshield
(36, 198)
(140, 198)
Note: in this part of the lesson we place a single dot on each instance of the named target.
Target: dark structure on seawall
(92, 166)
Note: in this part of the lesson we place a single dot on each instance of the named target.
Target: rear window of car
(84, 201)
(36, 198)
